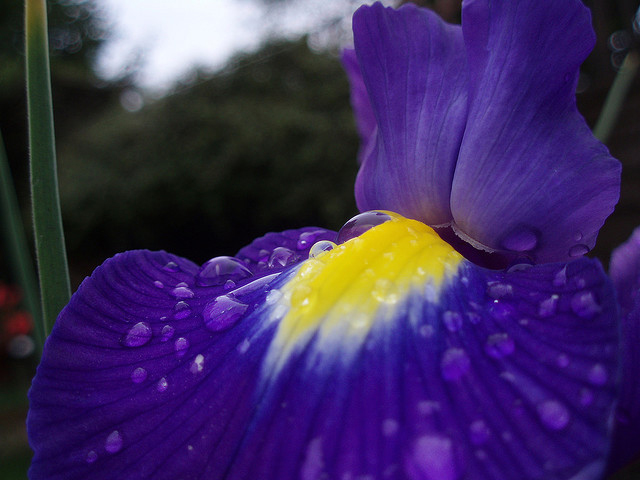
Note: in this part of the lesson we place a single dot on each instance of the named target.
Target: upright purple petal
(530, 177)
(389, 357)
(414, 67)
(625, 273)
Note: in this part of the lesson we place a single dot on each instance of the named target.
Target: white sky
(168, 37)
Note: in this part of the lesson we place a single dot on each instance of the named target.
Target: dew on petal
(585, 305)
(500, 310)
(562, 361)
(219, 270)
(454, 364)
(498, 290)
(166, 333)
(182, 292)
(181, 310)
(578, 250)
(181, 345)
(598, 375)
(428, 407)
(426, 331)
(162, 385)
(243, 347)
(171, 267)
(273, 297)
(554, 415)
(360, 224)
(432, 458)
(197, 365)
(158, 284)
(92, 456)
(548, 306)
(479, 432)
(307, 239)
(137, 335)
(139, 375)
(520, 265)
(223, 313)
(521, 240)
(113, 444)
(281, 257)
(499, 345)
(229, 285)
(384, 291)
(390, 427)
(320, 247)
(560, 278)
(452, 320)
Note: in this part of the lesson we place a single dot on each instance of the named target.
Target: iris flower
(382, 352)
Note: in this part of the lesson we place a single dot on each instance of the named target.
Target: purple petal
(530, 177)
(625, 273)
(480, 374)
(365, 118)
(414, 67)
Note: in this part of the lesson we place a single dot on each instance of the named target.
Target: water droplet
(479, 433)
(158, 284)
(307, 239)
(321, 247)
(500, 310)
(171, 267)
(360, 224)
(229, 285)
(521, 240)
(432, 458)
(273, 296)
(497, 290)
(499, 345)
(452, 320)
(554, 415)
(584, 304)
(166, 333)
(428, 407)
(113, 444)
(181, 345)
(302, 297)
(548, 307)
(197, 365)
(520, 265)
(562, 361)
(560, 278)
(252, 287)
(219, 270)
(263, 256)
(427, 331)
(92, 456)
(162, 385)
(454, 364)
(578, 250)
(243, 346)
(181, 310)
(384, 291)
(182, 292)
(281, 257)
(138, 335)
(577, 236)
(222, 313)
(390, 427)
(598, 375)
(139, 375)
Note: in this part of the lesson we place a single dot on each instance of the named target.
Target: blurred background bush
(265, 144)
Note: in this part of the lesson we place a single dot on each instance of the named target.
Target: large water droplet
(182, 292)
(222, 313)
(113, 444)
(432, 458)
(166, 333)
(452, 320)
(598, 375)
(584, 304)
(548, 306)
(321, 247)
(138, 335)
(181, 310)
(219, 270)
(578, 250)
(281, 257)
(181, 345)
(360, 224)
(139, 375)
(554, 415)
(499, 345)
(454, 364)
(521, 240)
(479, 433)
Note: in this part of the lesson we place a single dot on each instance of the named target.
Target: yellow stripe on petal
(345, 291)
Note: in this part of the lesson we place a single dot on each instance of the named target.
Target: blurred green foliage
(267, 144)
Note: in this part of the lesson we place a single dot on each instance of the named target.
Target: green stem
(47, 220)
(615, 97)
(18, 250)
